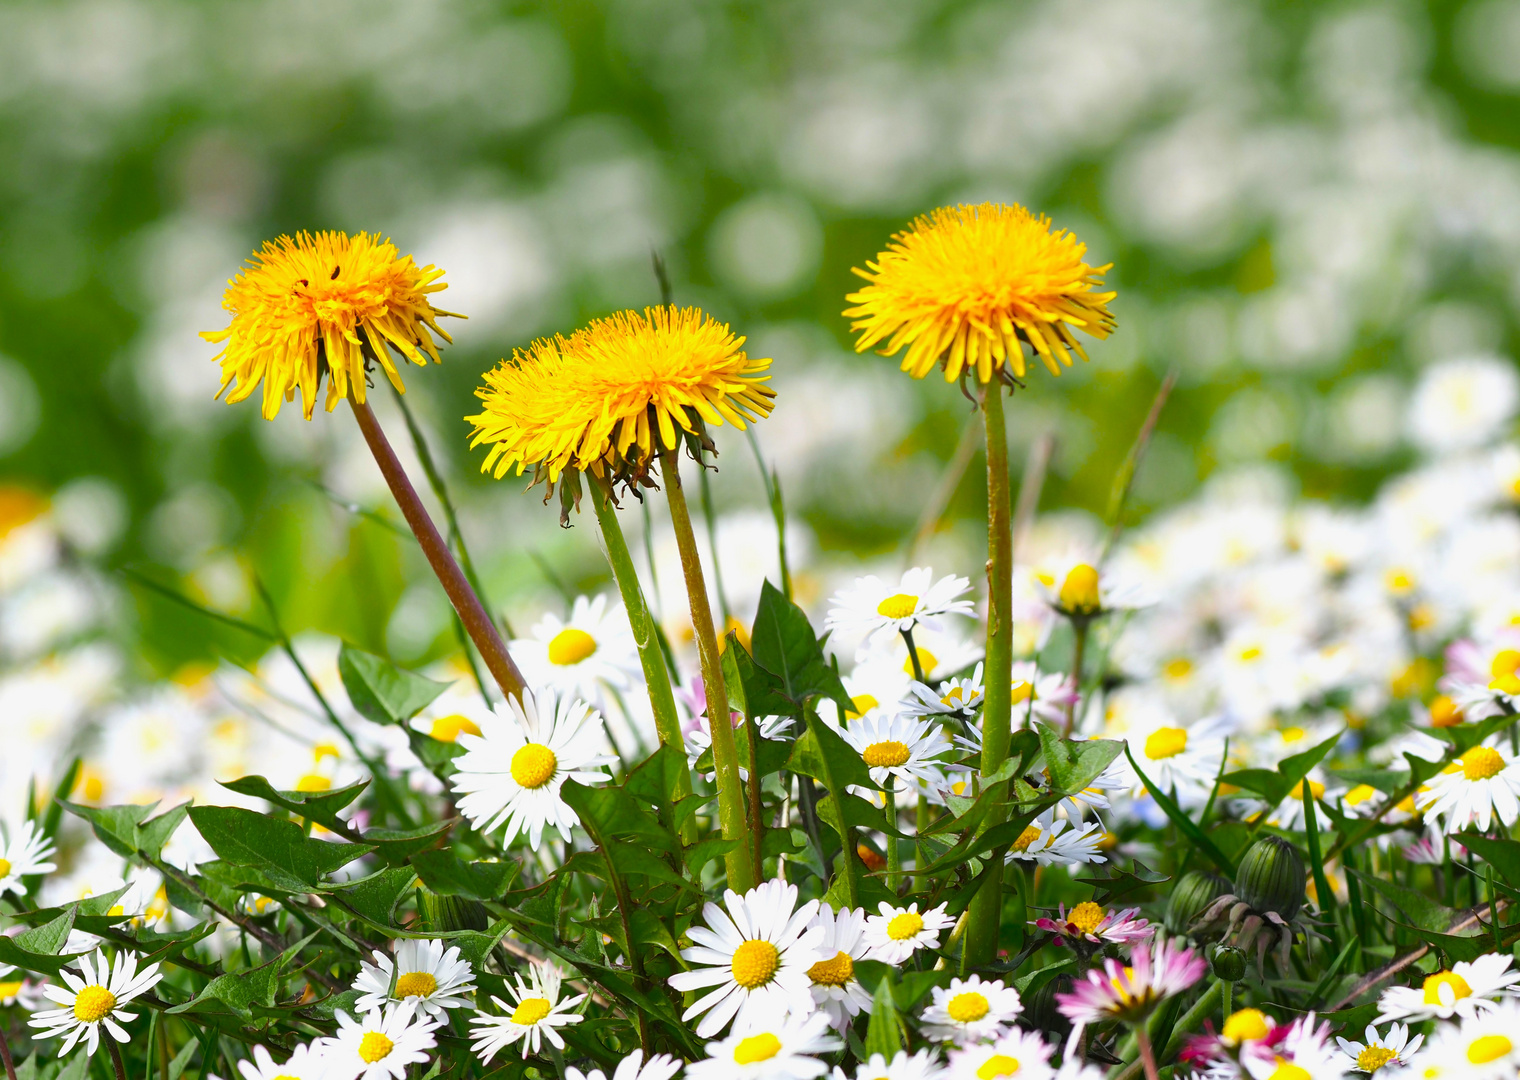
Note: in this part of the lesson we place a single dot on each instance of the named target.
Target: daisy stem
(725, 752)
(921, 854)
(997, 709)
(5, 1056)
(1079, 627)
(1147, 1055)
(913, 657)
(656, 674)
(1225, 993)
(894, 858)
(116, 1063)
(478, 624)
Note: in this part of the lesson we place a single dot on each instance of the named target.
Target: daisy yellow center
(997, 1065)
(968, 1007)
(1286, 1070)
(1022, 691)
(835, 972)
(1433, 984)
(374, 1047)
(449, 728)
(93, 1003)
(1079, 592)
(1165, 742)
(1123, 984)
(861, 704)
(1486, 1048)
(1085, 916)
(904, 925)
(1180, 668)
(1359, 794)
(898, 606)
(754, 963)
(10, 989)
(571, 646)
(286, 1076)
(1481, 762)
(530, 1011)
(926, 660)
(1444, 712)
(1505, 662)
(1246, 1025)
(415, 984)
(5, 868)
(755, 1048)
(887, 754)
(533, 766)
(1028, 836)
(1373, 1058)
(313, 782)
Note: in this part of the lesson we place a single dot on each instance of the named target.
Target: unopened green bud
(1271, 877)
(1229, 963)
(1194, 892)
(1041, 1014)
(453, 913)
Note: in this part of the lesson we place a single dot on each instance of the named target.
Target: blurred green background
(1305, 203)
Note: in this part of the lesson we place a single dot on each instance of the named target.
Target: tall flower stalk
(966, 289)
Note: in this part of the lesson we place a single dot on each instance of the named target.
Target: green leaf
(859, 814)
(785, 646)
(126, 830)
(476, 945)
(319, 806)
(1385, 780)
(37, 949)
(611, 811)
(1275, 785)
(376, 896)
(446, 874)
(382, 692)
(820, 741)
(1075, 763)
(1184, 824)
(277, 849)
(884, 1036)
(395, 846)
(236, 993)
(1502, 855)
(704, 851)
(1423, 912)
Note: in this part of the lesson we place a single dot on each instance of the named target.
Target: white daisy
(920, 1065)
(971, 1010)
(768, 1045)
(531, 1017)
(379, 1045)
(960, 697)
(27, 852)
(872, 607)
(756, 955)
(1304, 1053)
(16, 988)
(1015, 1054)
(512, 772)
(633, 1067)
(1485, 1047)
(697, 735)
(897, 933)
(94, 1000)
(305, 1063)
(423, 971)
(580, 657)
(1467, 989)
(1073, 585)
(836, 989)
(1482, 784)
(901, 747)
(1049, 839)
(1462, 403)
(1180, 759)
(1394, 1048)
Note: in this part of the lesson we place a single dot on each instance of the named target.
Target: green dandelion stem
(731, 813)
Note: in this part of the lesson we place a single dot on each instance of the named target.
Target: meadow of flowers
(1228, 792)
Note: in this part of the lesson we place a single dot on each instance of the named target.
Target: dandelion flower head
(964, 287)
(322, 304)
(613, 394)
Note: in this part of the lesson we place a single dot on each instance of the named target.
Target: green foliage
(277, 849)
(382, 692)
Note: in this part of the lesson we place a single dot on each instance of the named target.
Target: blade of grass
(1124, 480)
(178, 597)
(1185, 824)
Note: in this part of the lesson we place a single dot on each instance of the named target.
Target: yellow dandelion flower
(964, 287)
(613, 394)
(323, 304)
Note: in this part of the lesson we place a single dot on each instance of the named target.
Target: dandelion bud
(1041, 1014)
(1192, 894)
(1229, 963)
(1271, 877)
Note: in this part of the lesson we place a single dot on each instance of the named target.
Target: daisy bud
(453, 913)
(1193, 893)
(1229, 964)
(1271, 877)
